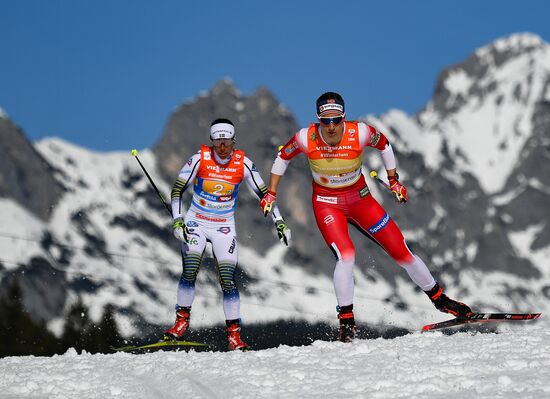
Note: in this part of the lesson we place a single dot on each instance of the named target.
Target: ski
(482, 318)
(163, 345)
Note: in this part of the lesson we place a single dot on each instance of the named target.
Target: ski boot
(180, 326)
(234, 336)
(347, 323)
(447, 305)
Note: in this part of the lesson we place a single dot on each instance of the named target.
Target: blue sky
(107, 74)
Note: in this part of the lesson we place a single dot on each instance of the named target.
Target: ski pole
(374, 175)
(134, 154)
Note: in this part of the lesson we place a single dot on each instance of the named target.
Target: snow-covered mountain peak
(483, 107)
(3, 114)
(516, 43)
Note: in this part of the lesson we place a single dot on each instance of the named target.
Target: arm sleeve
(369, 136)
(186, 175)
(256, 183)
(294, 146)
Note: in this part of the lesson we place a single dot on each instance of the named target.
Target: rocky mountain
(25, 176)
(475, 161)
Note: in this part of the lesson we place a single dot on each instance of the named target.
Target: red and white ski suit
(341, 196)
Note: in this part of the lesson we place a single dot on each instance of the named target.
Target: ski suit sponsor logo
(380, 224)
(331, 148)
(207, 156)
(210, 219)
(232, 247)
(208, 196)
(330, 107)
(192, 223)
(375, 138)
(328, 200)
(363, 192)
(290, 149)
(224, 229)
(217, 168)
(328, 219)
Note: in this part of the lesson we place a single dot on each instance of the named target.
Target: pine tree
(105, 334)
(76, 325)
(19, 334)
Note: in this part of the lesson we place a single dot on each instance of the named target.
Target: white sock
(419, 273)
(343, 282)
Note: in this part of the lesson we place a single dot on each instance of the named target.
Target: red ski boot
(234, 335)
(180, 326)
(347, 323)
(447, 305)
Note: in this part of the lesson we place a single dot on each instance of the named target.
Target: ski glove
(180, 229)
(267, 202)
(397, 188)
(283, 231)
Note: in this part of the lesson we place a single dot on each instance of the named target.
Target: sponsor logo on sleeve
(363, 192)
(374, 139)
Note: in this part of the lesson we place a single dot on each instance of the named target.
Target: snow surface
(514, 363)
(3, 114)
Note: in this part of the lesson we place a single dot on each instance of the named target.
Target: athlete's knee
(191, 264)
(346, 254)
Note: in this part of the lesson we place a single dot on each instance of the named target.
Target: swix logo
(328, 219)
(351, 132)
(380, 224)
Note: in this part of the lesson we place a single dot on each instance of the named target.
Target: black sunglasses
(336, 120)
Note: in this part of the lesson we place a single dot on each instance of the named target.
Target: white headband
(222, 131)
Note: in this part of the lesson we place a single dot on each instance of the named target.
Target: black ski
(482, 318)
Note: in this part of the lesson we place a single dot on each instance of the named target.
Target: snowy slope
(513, 364)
